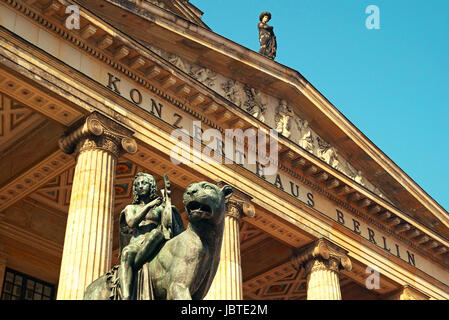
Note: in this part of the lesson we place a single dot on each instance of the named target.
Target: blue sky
(391, 83)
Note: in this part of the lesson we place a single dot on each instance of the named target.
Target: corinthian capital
(98, 132)
(321, 254)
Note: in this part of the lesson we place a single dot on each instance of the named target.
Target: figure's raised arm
(135, 214)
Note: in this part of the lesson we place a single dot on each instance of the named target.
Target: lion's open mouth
(195, 208)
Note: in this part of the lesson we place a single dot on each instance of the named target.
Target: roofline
(271, 68)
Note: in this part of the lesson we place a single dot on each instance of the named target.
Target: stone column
(227, 284)
(322, 261)
(97, 144)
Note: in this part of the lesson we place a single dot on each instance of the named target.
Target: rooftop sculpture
(267, 39)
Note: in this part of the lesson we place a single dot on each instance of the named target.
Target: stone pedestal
(87, 252)
(227, 284)
(322, 261)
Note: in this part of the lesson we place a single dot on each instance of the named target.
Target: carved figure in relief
(233, 92)
(322, 148)
(359, 178)
(203, 75)
(155, 49)
(306, 139)
(267, 39)
(330, 156)
(253, 103)
(283, 118)
(177, 61)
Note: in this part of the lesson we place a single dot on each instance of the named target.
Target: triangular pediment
(205, 56)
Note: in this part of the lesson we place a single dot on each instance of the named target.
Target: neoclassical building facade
(92, 92)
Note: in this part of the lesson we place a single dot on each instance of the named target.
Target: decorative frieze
(277, 114)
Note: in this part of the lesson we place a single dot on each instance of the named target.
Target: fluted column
(322, 261)
(227, 284)
(97, 144)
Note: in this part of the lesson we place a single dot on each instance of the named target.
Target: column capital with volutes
(97, 131)
(321, 254)
(239, 204)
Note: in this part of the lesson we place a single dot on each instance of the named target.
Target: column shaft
(227, 284)
(323, 283)
(88, 240)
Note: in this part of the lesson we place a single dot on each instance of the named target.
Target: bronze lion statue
(185, 265)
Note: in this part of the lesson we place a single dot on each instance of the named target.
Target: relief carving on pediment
(203, 75)
(305, 139)
(275, 113)
(233, 91)
(283, 119)
(254, 103)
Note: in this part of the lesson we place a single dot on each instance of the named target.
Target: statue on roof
(267, 38)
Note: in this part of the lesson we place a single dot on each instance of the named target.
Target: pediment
(207, 57)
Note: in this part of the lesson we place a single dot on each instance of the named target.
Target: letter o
(132, 96)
